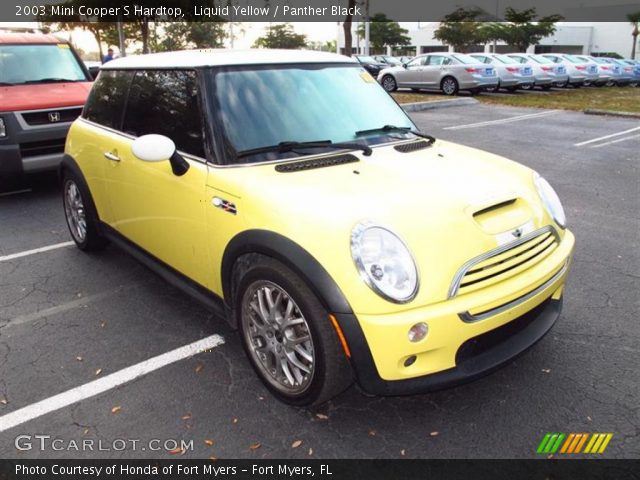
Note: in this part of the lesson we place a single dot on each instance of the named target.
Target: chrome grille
(504, 262)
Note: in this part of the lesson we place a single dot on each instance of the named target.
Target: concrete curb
(452, 102)
(611, 113)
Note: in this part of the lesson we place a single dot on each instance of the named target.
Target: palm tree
(634, 18)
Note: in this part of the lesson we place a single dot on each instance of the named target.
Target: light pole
(366, 27)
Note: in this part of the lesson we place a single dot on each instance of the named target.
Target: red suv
(43, 86)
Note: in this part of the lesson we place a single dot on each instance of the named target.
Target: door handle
(111, 156)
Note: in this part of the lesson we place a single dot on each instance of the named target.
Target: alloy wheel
(388, 83)
(75, 211)
(278, 337)
(449, 86)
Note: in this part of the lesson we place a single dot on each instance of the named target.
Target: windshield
(263, 106)
(601, 61)
(364, 59)
(505, 59)
(21, 64)
(466, 59)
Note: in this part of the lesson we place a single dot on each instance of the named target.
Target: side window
(436, 60)
(417, 62)
(480, 58)
(105, 104)
(166, 102)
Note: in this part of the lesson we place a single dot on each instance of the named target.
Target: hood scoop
(412, 146)
(502, 215)
(316, 163)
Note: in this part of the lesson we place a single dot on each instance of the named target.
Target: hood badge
(54, 117)
(225, 205)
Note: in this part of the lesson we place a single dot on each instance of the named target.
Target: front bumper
(31, 148)
(458, 349)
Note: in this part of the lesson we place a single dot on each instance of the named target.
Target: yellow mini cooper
(290, 193)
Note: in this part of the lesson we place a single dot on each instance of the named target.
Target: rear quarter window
(105, 104)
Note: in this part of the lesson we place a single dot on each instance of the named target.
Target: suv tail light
(580, 67)
(513, 69)
(472, 70)
(547, 69)
(605, 67)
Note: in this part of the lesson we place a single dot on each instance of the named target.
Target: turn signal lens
(418, 332)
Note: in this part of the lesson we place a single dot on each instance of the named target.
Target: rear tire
(301, 363)
(493, 89)
(449, 86)
(389, 83)
(527, 86)
(80, 213)
(512, 89)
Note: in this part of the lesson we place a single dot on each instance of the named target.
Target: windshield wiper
(50, 80)
(393, 128)
(284, 147)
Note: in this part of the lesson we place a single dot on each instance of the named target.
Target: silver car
(449, 72)
(625, 73)
(580, 72)
(546, 73)
(512, 74)
(609, 72)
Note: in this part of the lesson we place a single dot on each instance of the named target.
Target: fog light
(418, 332)
(410, 361)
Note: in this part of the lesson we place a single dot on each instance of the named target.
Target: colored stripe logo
(573, 443)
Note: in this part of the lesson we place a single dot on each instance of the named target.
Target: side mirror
(404, 65)
(158, 148)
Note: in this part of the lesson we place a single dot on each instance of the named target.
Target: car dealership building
(570, 37)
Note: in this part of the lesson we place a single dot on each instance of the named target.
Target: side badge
(225, 205)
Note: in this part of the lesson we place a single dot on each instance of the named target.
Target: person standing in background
(108, 57)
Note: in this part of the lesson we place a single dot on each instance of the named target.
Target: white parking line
(605, 137)
(35, 250)
(104, 384)
(614, 141)
(503, 120)
(15, 192)
(47, 312)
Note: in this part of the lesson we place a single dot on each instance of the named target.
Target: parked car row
(451, 72)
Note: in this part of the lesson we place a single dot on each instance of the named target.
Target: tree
(383, 32)
(346, 26)
(519, 31)
(181, 35)
(461, 30)
(281, 36)
(100, 30)
(634, 19)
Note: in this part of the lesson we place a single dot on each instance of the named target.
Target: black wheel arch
(291, 254)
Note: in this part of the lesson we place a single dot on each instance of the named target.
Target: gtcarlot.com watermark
(47, 442)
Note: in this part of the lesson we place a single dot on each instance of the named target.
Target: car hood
(43, 96)
(432, 198)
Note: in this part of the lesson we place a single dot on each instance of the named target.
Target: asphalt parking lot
(68, 319)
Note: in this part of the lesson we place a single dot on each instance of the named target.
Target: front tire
(287, 335)
(389, 83)
(80, 213)
(449, 86)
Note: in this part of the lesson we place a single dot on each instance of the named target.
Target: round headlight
(550, 200)
(384, 262)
